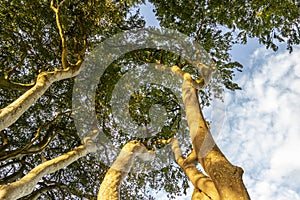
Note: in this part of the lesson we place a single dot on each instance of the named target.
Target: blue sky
(261, 132)
(263, 124)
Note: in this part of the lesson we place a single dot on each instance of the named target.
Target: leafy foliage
(30, 43)
(218, 25)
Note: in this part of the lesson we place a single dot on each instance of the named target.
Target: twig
(61, 33)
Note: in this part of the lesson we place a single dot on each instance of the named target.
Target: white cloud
(263, 130)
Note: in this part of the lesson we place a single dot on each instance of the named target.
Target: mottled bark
(226, 177)
(110, 186)
(26, 184)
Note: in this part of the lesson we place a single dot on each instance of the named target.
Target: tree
(43, 48)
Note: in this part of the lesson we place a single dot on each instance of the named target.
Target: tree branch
(16, 174)
(26, 184)
(30, 147)
(36, 194)
(12, 112)
(5, 83)
(198, 84)
(61, 33)
(109, 188)
(202, 183)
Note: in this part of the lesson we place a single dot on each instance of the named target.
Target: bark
(226, 177)
(203, 185)
(25, 185)
(110, 186)
(12, 112)
(198, 194)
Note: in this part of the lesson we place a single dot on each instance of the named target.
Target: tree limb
(202, 183)
(25, 185)
(30, 147)
(11, 113)
(61, 33)
(5, 83)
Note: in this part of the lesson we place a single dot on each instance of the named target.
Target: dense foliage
(31, 42)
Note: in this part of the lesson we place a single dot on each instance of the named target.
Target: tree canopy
(40, 37)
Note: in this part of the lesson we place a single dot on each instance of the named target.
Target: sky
(261, 131)
(263, 123)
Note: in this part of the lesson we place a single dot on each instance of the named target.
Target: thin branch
(5, 83)
(30, 148)
(61, 33)
(36, 194)
(4, 140)
(17, 174)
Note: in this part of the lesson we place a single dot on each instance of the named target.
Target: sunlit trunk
(110, 186)
(226, 177)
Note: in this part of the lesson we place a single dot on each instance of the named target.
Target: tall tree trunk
(110, 186)
(226, 177)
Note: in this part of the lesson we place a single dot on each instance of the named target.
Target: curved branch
(61, 33)
(30, 147)
(36, 194)
(11, 113)
(26, 184)
(5, 83)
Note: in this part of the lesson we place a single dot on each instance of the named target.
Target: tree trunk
(226, 177)
(110, 186)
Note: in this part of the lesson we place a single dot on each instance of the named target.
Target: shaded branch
(10, 85)
(30, 147)
(36, 194)
(52, 185)
(25, 185)
(16, 174)
(4, 141)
